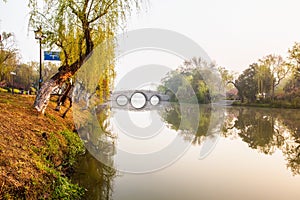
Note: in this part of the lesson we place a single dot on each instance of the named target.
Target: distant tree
(8, 55)
(26, 76)
(246, 85)
(176, 84)
(49, 70)
(293, 85)
(205, 72)
(294, 56)
(196, 77)
(227, 77)
(264, 80)
(278, 67)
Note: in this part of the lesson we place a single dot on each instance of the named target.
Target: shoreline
(37, 152)
(281, 105)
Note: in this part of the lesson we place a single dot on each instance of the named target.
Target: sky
(234, 33)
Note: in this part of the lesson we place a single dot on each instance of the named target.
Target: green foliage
(67, 149)
(75, 146)
(62, 187)
(294, 55)
(54, 145)
(197, 79)
(246, 84)
(277, 68)
(260, 80)
(65, 190)
(264, 78)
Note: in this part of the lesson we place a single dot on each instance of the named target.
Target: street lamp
(13, 74)
(39, 36)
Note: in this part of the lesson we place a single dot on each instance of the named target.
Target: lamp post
(13, 84)
(39, 36)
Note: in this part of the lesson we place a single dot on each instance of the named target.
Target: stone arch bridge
(148, 94)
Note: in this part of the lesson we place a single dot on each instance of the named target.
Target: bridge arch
(138, 99)
(122, 100)
(125, 96)
(155, 102)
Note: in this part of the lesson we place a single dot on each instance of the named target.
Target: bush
(64, 189)
(75, 146)
(65, 148)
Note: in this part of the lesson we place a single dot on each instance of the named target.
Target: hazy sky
(234, 33)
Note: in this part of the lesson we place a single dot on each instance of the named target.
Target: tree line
(78, 27)
(270, 79)
(16, 74)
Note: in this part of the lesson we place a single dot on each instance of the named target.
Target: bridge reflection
(147, 107)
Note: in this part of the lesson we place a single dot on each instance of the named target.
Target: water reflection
(210, 117)
(96, 177)
(267, 131)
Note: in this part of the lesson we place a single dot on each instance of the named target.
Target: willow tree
(279, 70)
(75, 27)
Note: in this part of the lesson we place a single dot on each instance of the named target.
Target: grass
(294, 104)
(36, 151)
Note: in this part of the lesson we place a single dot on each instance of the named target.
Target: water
(256, 155)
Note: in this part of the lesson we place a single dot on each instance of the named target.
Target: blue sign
(52, 55)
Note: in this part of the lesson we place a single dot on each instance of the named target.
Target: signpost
(52, 55)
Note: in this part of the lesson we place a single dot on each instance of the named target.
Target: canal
(191, 152)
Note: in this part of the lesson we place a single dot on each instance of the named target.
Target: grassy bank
(276, 104)
(36, 151)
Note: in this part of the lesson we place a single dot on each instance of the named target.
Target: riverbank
(36, 151)
(276, 104)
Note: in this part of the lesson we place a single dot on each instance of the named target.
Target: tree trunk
(240, 93)
(43, 96)
(65, 72)
(62, 99)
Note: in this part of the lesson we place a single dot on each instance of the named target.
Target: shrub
(64, 189)
(75, 146)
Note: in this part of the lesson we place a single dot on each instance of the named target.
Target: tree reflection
(267, 130)
(97, 177)
(192, 121)
(257, 129)
(290, 120)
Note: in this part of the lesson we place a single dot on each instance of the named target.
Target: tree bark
(42, 99)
